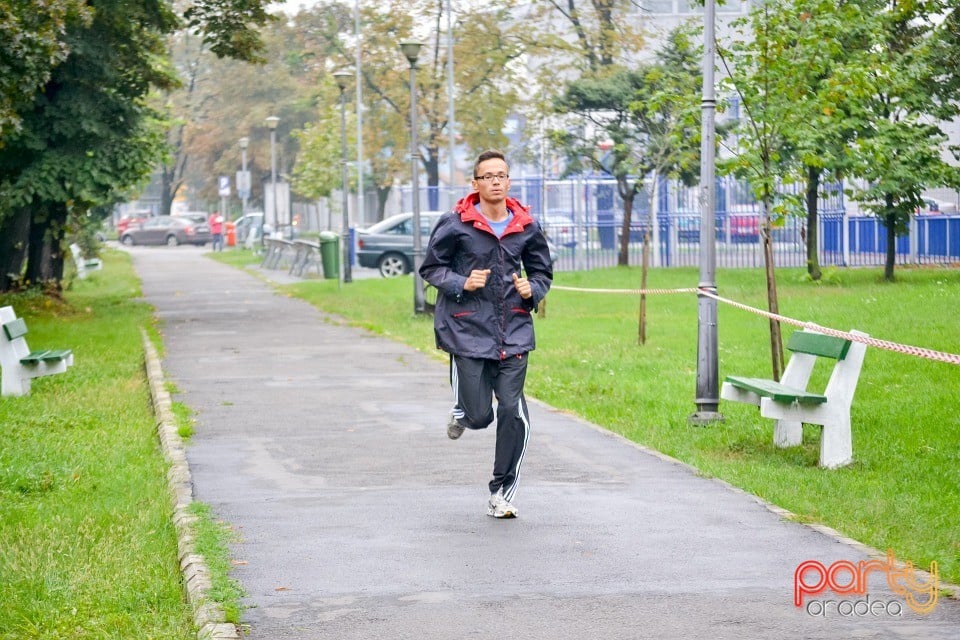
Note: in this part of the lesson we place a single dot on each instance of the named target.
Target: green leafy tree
(582, 36)
(603, 101)
(318, 170)
(898, 150)
(31, 45)
(775, 102)
(486, 41)
(87, 133)
(647, 114)
(592, 46)
(667, 111)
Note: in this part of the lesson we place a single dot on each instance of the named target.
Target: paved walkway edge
(208, 617)
(946, 589)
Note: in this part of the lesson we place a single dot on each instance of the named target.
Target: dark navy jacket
(493, 322)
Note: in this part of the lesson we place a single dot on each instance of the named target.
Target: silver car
(388, 244)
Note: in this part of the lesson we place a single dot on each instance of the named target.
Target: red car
(127, 221)
(744, 227)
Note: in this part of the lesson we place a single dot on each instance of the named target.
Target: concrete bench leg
(12, 384)
(836, 443)
(787, 433)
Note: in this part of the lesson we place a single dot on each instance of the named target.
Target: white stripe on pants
(475, 382)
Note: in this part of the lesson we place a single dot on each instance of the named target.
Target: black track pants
(475, 382)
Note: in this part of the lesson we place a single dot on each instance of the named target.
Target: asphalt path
(324, 447)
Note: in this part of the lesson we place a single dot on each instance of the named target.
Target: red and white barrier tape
(922, 352)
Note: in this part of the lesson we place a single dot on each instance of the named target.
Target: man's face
(489, 185)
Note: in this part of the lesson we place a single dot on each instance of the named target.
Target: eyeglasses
(490, 177)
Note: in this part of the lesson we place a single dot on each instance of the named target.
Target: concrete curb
(208, 616)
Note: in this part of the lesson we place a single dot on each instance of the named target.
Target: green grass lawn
(87, 549)
(903, 490)
(87, 546)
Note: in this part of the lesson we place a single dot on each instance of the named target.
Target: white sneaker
(499, 507)
(454, 428)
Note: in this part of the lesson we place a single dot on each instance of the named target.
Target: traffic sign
(243, 184)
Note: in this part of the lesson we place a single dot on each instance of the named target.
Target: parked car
(134, 219)
(388, 245)
(168, 230)
(250, 222)
(933, 207)
(688, 225)
(197, 217)
(744, 227)
(559, 229)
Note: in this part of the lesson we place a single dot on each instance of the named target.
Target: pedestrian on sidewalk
(490, 263)
(216, 229)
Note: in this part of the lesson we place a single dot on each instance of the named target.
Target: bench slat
(47, 355)
(55, 355)
(779, 392)
(817, 344)
(15, 328)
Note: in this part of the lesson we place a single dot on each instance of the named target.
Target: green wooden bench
(18, 363)
(791, 404)
(84, 264)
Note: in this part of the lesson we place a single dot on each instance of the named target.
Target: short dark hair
(489, 154)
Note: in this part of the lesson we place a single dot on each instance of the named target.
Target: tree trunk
(812, 240)
(431, 165)
(627, 193)
(891, 221)
(167, 192)
(45, 255)
(383, 194)
(773, 306)
(645, 264)
(14, 233)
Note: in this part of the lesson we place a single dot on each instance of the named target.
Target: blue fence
(583, 217)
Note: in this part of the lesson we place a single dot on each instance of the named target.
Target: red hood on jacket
(467, 208)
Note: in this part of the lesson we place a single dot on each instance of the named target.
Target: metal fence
(583, 217)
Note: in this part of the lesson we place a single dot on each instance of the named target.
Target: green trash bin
(330, 254)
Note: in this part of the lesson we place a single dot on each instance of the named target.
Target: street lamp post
(343, 79)
(244, 182)
(272, 122)
(411, 50)
(708, 397)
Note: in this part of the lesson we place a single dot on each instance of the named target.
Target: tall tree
(486, 42)
(87, 132)
(898, 150)
(31, 45)
(604, 102)
(590, 47)
(771, 101)
(666, 109)
(85, 135)
(583, 35)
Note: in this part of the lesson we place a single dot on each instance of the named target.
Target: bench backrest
(13, 344)
(817, 344)
(15, 329)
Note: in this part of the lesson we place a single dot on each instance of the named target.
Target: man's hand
(522, 285)
(476, 280)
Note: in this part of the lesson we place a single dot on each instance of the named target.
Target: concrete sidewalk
(357, 518)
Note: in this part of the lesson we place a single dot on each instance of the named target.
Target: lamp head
(343, 79)
(272, 122)
(411, 50)
(244, 142)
